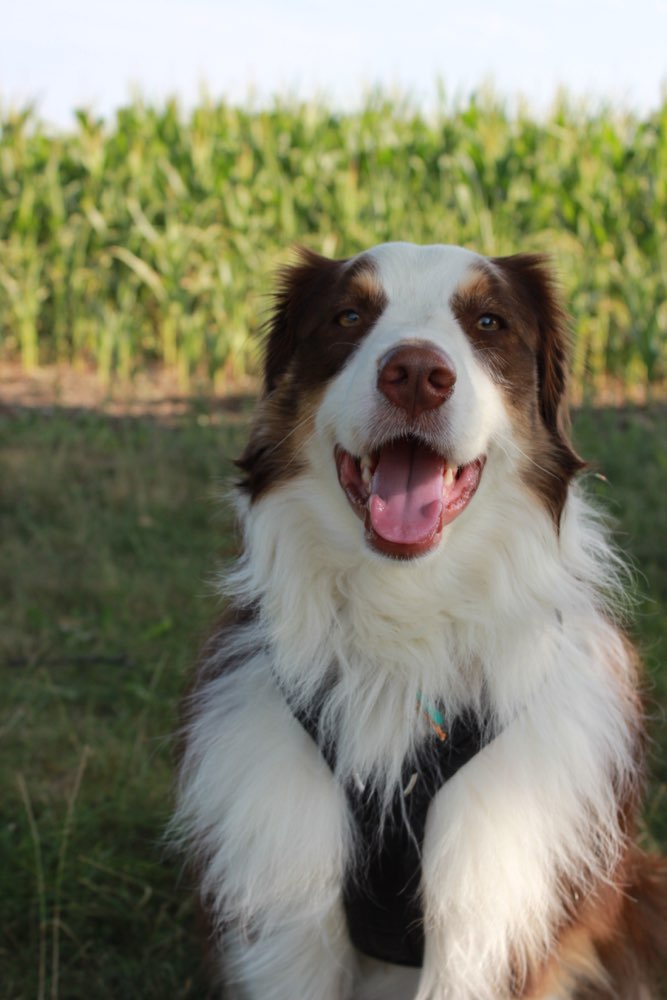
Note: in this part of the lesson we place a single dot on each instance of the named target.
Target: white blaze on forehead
(425, 277)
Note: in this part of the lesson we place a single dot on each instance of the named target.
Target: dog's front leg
(294, 957)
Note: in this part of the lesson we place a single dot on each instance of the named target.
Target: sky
(97, 54)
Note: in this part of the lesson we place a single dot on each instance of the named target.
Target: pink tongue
(406, 498)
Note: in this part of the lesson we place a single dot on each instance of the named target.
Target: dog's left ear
(533, 276)
(299, 287)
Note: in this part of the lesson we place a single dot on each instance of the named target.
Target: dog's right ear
(299, 286)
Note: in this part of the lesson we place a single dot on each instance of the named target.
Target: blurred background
(157, 159)
(158, 162)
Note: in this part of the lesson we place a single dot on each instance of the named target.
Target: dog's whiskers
(520, 451)
(297, 427)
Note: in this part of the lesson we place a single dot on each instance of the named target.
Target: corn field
(151, 239)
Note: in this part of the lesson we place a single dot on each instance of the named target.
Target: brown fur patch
(634, 948)
(283, 423)
(617, 949)
(304, 334)
(527, 357)
(306, 346)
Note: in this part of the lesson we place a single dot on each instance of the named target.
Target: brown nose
(416, 377)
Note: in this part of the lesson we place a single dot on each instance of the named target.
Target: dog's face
(414, 370)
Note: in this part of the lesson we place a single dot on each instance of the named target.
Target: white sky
(95, 53)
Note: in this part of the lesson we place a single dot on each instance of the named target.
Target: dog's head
(409, 372)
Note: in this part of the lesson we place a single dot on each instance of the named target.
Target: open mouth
(406, 493)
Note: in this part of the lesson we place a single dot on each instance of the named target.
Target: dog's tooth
(449, 476)
(366, 474)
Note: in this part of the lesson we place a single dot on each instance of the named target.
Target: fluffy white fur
(506, 606)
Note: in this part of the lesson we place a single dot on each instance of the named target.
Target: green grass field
(111, 532)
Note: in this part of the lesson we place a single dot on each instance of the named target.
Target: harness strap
(382, 890)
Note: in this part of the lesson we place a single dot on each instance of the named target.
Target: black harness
(382, 893)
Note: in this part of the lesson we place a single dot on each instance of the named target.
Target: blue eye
(488, 323)
(348, 317)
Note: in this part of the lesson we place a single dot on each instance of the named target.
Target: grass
(110, 536)
(139, 239)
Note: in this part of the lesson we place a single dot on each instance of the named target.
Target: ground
(112, 530)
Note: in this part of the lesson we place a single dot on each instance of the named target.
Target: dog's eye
(488, 323)
(348, 317)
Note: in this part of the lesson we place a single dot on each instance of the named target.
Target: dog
(413, 748)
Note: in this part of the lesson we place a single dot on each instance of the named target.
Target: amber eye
(348, 317)
(488, 323)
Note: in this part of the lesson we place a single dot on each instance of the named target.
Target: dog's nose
(416, 377)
